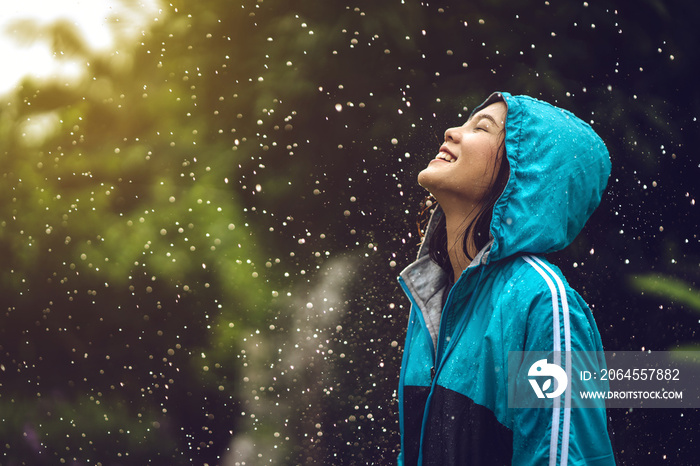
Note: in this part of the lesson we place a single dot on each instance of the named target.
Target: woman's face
(463, 170)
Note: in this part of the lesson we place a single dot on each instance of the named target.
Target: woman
(519, 178)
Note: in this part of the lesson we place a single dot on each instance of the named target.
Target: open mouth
(446, 156)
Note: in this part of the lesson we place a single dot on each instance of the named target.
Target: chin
(429, 180)
(424, 178)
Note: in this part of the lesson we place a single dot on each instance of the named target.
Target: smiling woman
(472, 153)
(467, 177)
(519, 178)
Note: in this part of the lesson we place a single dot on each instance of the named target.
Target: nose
(453, 135)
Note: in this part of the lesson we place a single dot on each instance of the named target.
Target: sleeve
(560, 326)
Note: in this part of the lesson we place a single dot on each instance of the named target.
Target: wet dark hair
(478, 228)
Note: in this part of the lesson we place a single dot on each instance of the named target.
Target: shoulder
(541, 306)
(531, 277)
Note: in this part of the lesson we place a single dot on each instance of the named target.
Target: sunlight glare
(95, 20)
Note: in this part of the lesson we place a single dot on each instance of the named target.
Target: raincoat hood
(559, 168)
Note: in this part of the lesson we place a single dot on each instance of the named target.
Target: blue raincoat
(453, 389)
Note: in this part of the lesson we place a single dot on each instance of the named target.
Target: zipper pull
(432, 374)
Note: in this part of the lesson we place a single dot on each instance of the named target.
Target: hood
(559, 168)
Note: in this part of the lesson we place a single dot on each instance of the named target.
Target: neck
(456, 221)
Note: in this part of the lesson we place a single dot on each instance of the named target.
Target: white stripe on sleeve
(556, 402)
(567, 355)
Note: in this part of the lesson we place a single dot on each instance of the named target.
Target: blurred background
(205, 206)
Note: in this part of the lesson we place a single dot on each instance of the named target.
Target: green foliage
(675, 290)
(124, 253)
(57, 430)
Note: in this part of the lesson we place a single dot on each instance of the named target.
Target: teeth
(446, 156)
